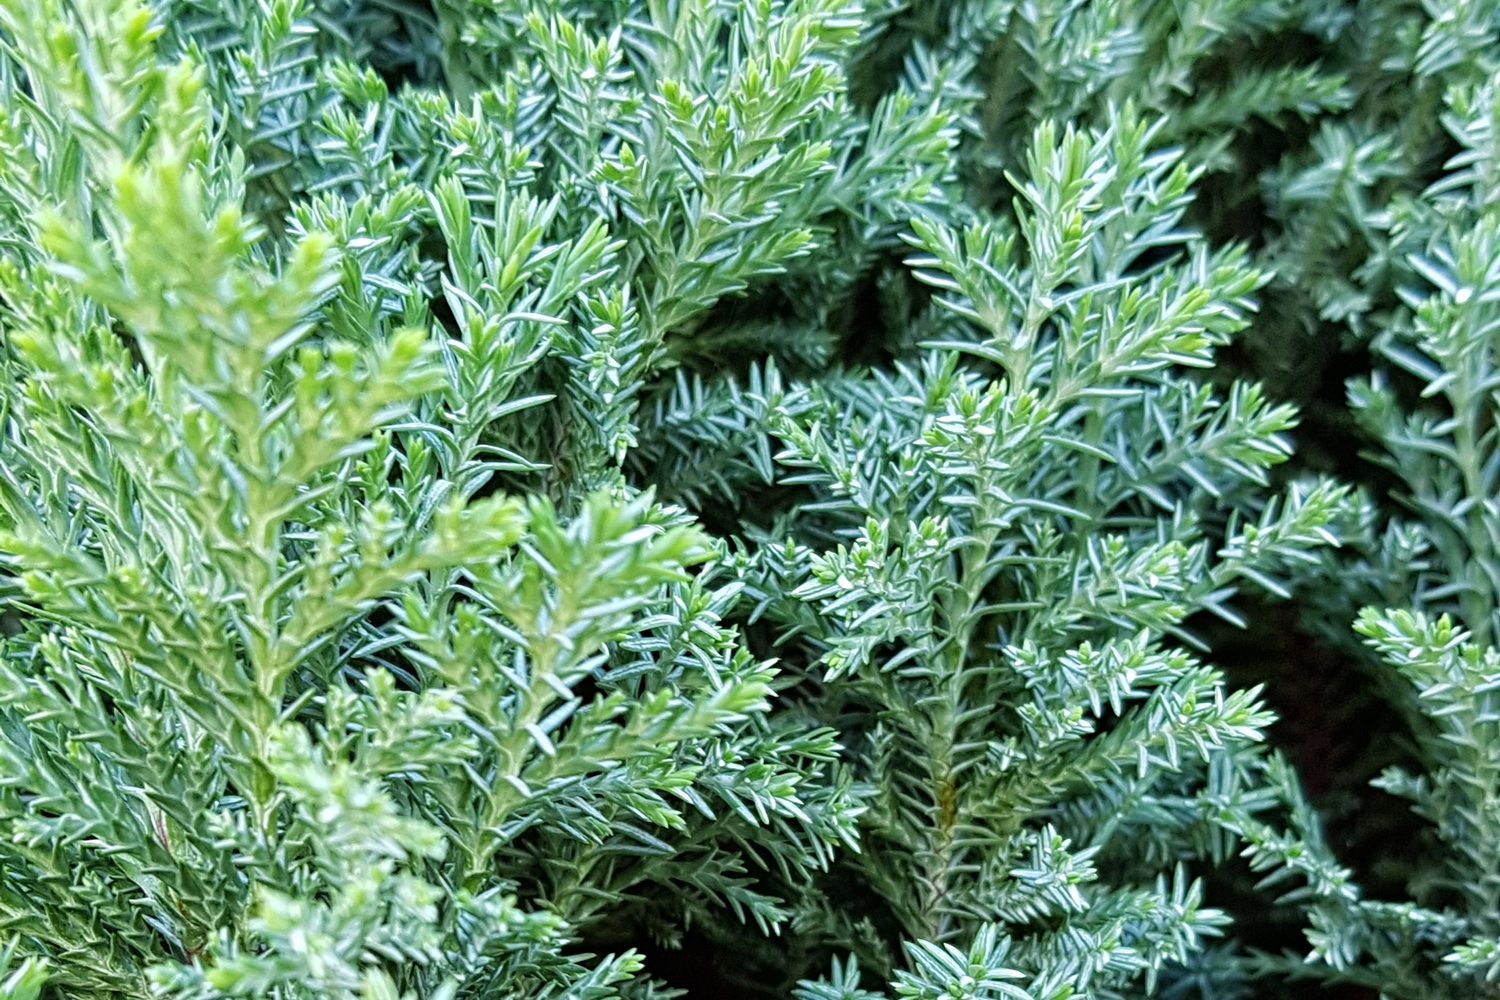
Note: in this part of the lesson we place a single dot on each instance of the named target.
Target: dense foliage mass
(608, 498)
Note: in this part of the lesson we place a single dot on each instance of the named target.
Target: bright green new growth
(291, 709)
(496, 494)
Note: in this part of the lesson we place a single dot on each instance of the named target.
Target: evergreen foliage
(497, 494)
(1426, 571)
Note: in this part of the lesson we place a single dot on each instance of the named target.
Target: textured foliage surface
(609, 498)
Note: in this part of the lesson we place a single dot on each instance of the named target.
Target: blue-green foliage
(496, 492)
